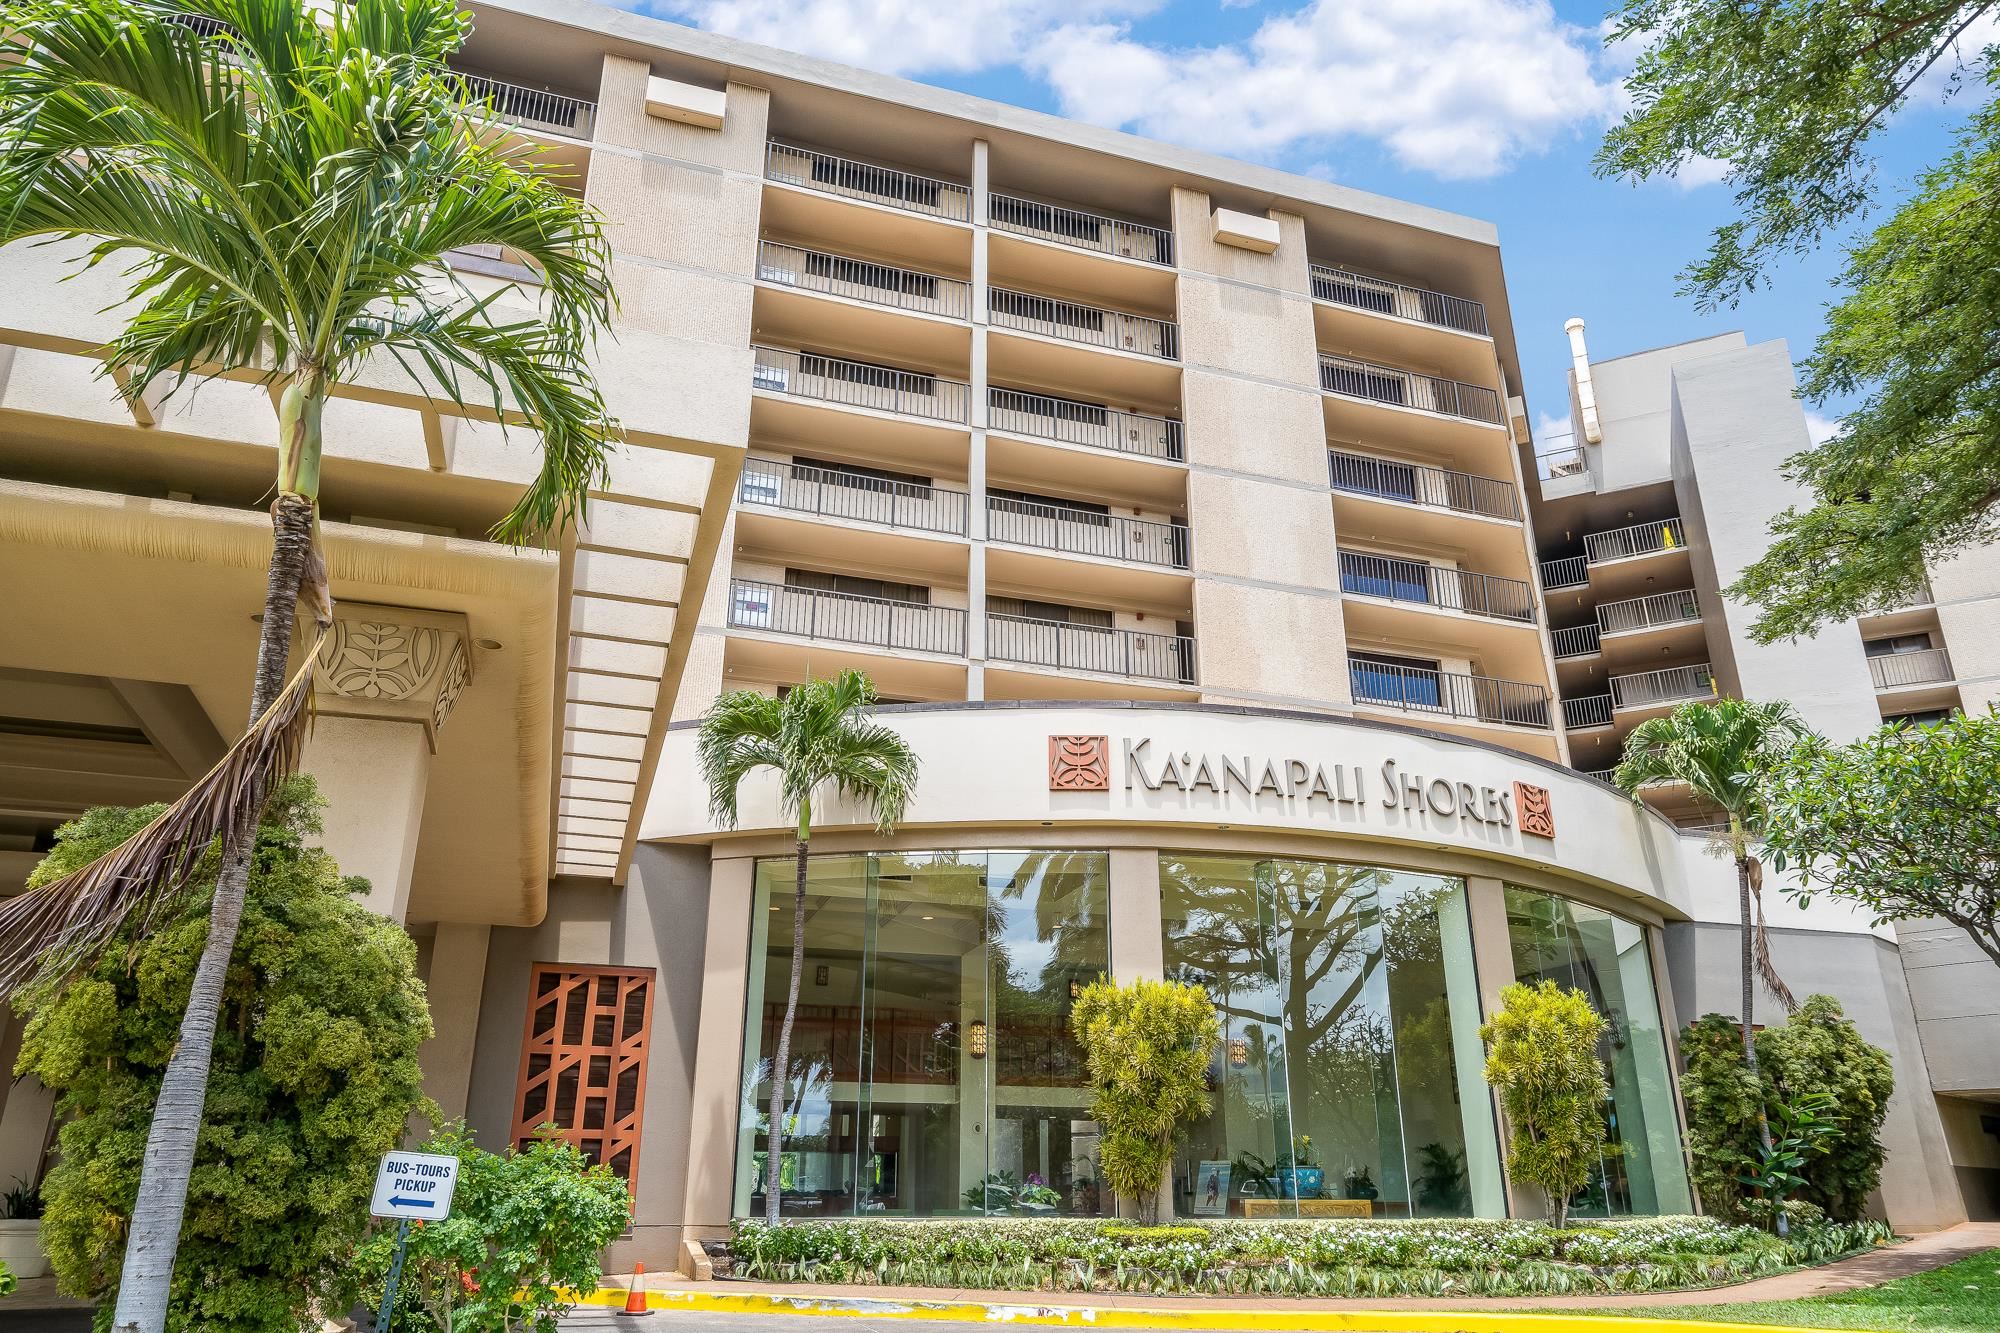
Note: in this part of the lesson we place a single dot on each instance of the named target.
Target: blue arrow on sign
(404, 1200)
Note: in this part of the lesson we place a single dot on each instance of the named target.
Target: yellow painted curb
(1221, 1319)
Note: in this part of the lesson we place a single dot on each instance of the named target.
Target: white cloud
(1820, 429)
(1458, 88)
(1553, 432)
(1966, 60)
(1698, 171)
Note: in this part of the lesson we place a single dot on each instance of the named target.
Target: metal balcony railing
(1660, 608)
(1668, 685)
(866, 181)
(1100, 648)
(1366, 575)
(1071, 422)
(1346, 287)
(1349, 378)
(1569, 462)
(1086, 532)
(1931, 666)
(1572, 571)
(1592, 710)
(533, 108)
(1421, 484)
(1601, 774)
(1085, 231)
(1664, 534)
(1449, 694)
(203, 24)
(1573, 641)
(860, 280)
(814, 613)
(835, 493)
(858, 384)
(1089, 324)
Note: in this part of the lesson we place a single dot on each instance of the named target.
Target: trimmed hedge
(1324, 1258)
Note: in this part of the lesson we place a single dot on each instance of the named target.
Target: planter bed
(1298, 1258)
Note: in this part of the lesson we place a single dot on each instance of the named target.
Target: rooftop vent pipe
(1586, 392)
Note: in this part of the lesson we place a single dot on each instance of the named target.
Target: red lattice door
(583, 1061)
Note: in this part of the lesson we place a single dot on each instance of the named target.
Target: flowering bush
(1318, 1258)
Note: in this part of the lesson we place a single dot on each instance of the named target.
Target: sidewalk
(1126, 1310)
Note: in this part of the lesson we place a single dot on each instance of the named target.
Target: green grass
(1959, 1298)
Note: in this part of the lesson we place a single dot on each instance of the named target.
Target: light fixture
(975, 1038)
(1239, 1052)
(490, 645)
(930, 918)
(1075, 988)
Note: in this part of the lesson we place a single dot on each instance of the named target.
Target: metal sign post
(395, 1276)
(409, 1186)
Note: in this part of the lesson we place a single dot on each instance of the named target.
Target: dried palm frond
(1767, 967)
(56, 930)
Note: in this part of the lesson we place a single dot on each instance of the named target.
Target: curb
(1196, 1321)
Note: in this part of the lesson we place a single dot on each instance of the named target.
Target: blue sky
(1491, 108)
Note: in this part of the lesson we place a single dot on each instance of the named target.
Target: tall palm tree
(281, 183)
(1721, 749)
(815, 738)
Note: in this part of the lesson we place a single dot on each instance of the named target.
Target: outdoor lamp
(975, 1036)
(1239, 1052)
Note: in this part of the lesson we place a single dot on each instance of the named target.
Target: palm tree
(282, 183)
(815, 737)
(1721, 749)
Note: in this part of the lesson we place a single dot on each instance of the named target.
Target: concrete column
(1663, 990)
(1486, 912)
(1138, 951)
(456, 983)
(727, 966)
(975, 476)
(25, 1109)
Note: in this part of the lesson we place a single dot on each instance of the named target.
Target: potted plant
(21, 1231)
(1359, 1183)
(1300, 1177)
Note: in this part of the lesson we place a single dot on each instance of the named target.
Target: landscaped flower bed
(1334, 1258)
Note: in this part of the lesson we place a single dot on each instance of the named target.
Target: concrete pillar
(975, 475)
(25, 1109)
(1138, 949)
(727, 967)
(1486, 912)
(456, 983)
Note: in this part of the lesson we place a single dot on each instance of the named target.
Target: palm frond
(739, 735)
(1767, 966)
(55, 930)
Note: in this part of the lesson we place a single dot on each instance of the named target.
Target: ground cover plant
(1302, 1258)
(1959, 1298)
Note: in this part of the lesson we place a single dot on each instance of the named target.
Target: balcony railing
(1448, 694)
(858, 384)
(1569, 462)
(1421, 484)
(1668, 685)
(1085, 231)
(1592, 710)
(1100, 648)
(1345, 287)
(1572, 571)
(1601, 774)
(1406, 388)
(1093, 325)
(1660, 608)
(1071, 422)
(1664, 534)
(1086, 532)
(814, 613)
(534, 108)
(866, 181)
(859, 280)
(1574, 641)
(835, 493)
(1893, 671)
(1367, 575)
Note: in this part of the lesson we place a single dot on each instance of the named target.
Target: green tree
(526, 1226)
(817, 738)
(1791, 98)
(312, 1077)
(280, 188)
(1542, 1060)
(1902, 821)
(1147, 1047)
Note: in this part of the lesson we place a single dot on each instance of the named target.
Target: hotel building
(1186, 514)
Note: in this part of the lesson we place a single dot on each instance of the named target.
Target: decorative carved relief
(451, 682)
(1534, 811)
(389, 662)
(1079, 763)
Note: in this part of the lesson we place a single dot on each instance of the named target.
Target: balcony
(1086, 532)
(1574, 641)
(859, 280)
(1662, 688)
(1421, 484)
(1651, 612)
(1417, 582)
(832, 379)
(1382, 297)
(1636, 540)
(1559, 463)
(1350, 378)
(1896, 671)
(877, 622)
(866, 182)
(831, 493)
(1102, 649)
(1080, 230)
(1569, 572)
(1588, 712)
(1483, 699)
(1094, 326)
(532, 108)
(1068, 421)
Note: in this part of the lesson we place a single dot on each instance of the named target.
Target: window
(861, 478)
(750, 605)
(1046, 309)
(1923, 718)
(1897, 644)
(1071, 511)
(850, 585)
(1031, 216)
(1088, 617)
(1384, 576)
(885, 182)
(1375, 476)
(762, 483)
(856, 272)
(583, 1061)
(868, 374)
(1397, 680)
(1352, 289)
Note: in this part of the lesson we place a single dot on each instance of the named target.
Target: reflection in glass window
(1606, 957)
(931, 1069)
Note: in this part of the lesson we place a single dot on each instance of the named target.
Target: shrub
(524, 1226)
(7, 1281)
(1543, 1062)
(1147, 1047)
(313, 1077)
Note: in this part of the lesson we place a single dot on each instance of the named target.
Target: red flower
(467, 1281)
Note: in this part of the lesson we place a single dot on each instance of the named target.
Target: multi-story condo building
(1179, 508)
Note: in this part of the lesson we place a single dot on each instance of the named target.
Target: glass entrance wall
(1606, 957)
(1350, 1013)
(931, 1071)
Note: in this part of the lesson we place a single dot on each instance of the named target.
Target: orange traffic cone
(635, 1295)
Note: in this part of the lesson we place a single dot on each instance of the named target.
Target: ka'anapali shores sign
(1083, 764)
